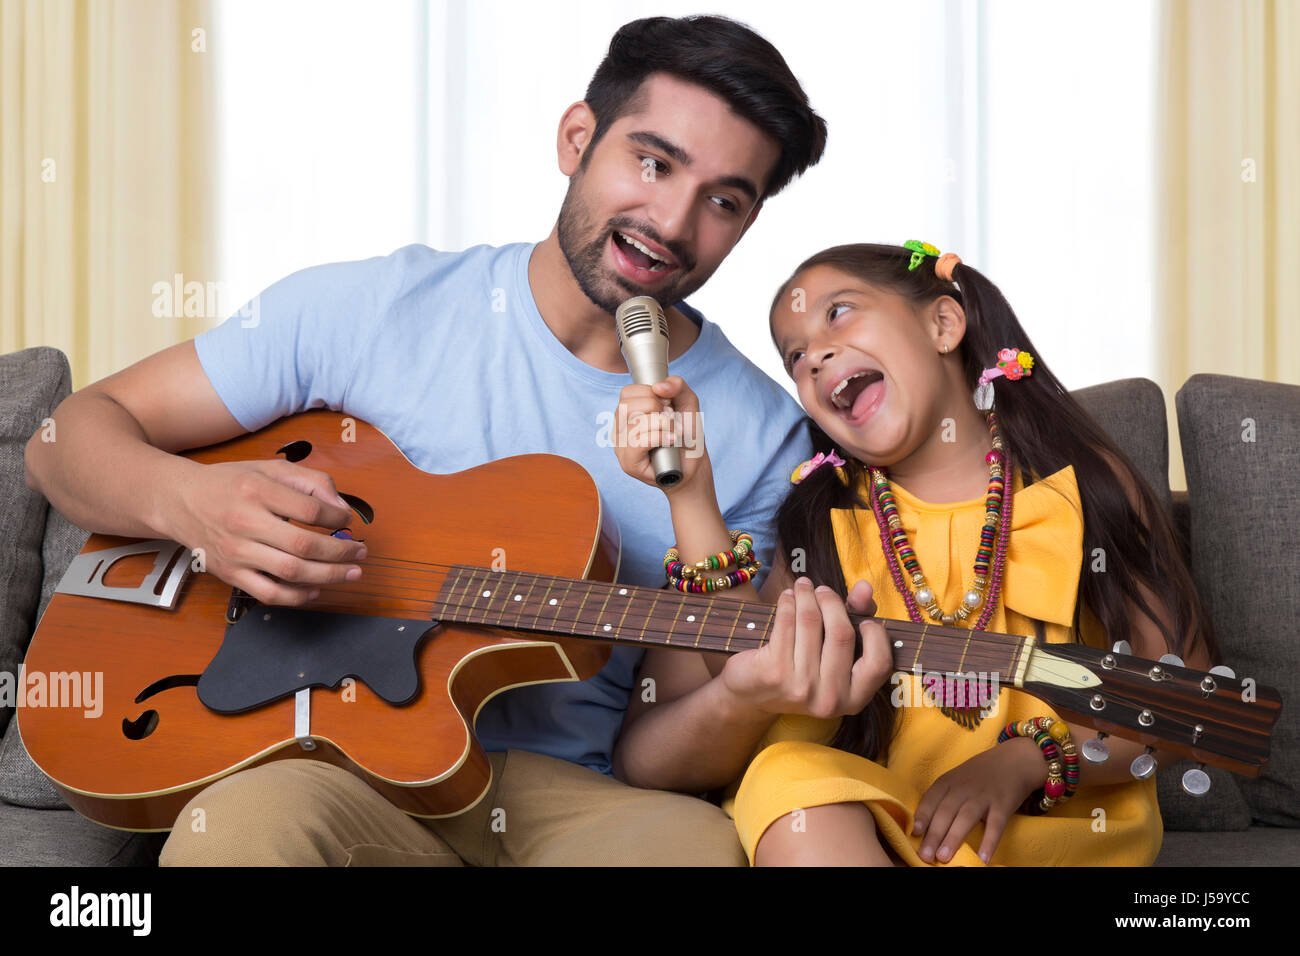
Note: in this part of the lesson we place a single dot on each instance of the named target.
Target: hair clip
(813, 463)
(943, 268)
(1013, 364)
(919, 251)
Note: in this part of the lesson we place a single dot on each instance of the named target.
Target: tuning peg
(1196, 781)
(1143, 765)
(1121, 647)
(1095, 749)
(1171, 659)
(1223, 670)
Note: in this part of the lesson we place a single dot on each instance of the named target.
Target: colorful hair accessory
(812, 464)
(919, 251)
(946, 264)
(1013, 364)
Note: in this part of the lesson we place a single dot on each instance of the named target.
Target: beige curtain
(1227, 257)
(106, 129)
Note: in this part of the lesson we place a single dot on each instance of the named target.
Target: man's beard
(583, 245)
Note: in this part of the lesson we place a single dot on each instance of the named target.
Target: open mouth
(639, 256)
(854, 397)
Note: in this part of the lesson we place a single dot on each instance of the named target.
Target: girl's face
(868, 366)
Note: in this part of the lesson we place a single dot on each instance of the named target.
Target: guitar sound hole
(360, 506)
(167, 683)
(142, 726)
(296, 450)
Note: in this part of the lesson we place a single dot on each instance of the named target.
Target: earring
(945, 348)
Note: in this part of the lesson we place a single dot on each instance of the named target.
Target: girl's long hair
(1045, 429)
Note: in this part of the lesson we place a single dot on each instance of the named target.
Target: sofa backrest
(32, 383)
(1132, 412)
(1241, 451)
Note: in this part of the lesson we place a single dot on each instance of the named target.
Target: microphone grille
(637, 317)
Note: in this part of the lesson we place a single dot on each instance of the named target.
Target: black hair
(725, 57)
(1045, 429)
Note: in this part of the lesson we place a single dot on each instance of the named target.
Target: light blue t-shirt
(447, 354)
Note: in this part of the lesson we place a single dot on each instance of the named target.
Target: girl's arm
(693, 501)
(693, 719)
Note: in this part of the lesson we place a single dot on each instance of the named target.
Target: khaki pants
(538, 811)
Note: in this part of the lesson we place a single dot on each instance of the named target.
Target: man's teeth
(838, 390)
(663, 263)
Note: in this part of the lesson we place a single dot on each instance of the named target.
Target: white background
(1016, 134)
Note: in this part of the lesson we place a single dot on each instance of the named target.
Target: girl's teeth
(835, 395)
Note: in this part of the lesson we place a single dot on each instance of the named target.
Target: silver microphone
(643, 337)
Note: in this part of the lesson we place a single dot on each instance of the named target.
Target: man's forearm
(100, 471)
(698, 742)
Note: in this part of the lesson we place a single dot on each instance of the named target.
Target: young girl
(958, 477)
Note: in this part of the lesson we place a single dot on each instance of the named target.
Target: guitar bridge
(160, 587)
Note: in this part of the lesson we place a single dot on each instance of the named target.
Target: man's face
(681, 178)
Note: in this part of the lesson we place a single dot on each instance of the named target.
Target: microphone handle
(646, 355)
(666, 460)
(667, 463)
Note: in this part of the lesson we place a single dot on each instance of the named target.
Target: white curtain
(988, 129)
(105, 176)
(1229, 199)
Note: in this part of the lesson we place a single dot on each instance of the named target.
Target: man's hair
(728, 59)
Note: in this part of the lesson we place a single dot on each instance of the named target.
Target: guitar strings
(694, 601)
(979, 647)
(686, 599)
(713, 638)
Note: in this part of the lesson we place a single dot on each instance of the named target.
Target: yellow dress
(1115, 825)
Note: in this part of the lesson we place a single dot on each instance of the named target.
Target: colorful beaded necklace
(992, 553)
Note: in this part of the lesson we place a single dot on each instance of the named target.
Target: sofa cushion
(21, 783)
(32, 382)
(1239, 440)
(1258, 846)
(62, 838)
(1132, 412)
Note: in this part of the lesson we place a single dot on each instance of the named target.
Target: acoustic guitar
(476, 582)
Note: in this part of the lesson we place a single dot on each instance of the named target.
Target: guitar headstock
(1213, 717)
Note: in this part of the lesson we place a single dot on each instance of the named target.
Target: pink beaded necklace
(993, 544)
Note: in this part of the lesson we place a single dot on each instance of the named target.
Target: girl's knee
(836, 833)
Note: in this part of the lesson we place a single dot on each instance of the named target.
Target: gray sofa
(1244, 547)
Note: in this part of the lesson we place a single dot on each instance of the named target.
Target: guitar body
(131, 769)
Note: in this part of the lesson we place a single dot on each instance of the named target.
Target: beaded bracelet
(742, 550)
(1053, 738)
(700, 584)
(693, 578)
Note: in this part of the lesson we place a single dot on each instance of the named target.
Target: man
(460, 358)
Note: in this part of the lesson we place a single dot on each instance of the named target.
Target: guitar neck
(650, 617)
(1157, 703)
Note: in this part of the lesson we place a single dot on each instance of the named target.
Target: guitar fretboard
(630, 614)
